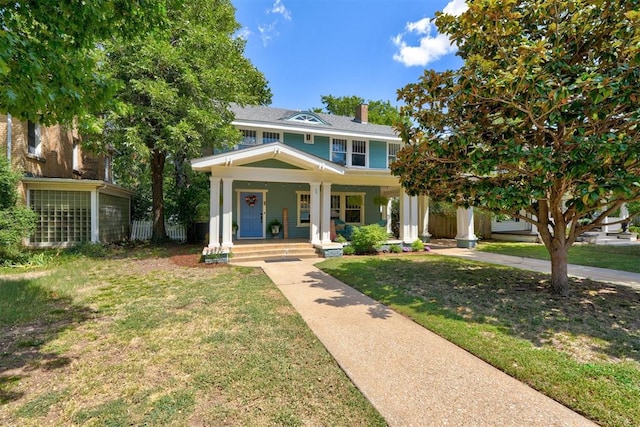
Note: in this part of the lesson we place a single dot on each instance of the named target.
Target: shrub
(367, 239)
(395, 249)
(17, 222)
(340, 239)
(417, 245)
(348, 250)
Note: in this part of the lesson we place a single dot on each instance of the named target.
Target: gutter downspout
(9, 137)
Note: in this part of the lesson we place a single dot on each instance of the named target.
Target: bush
(340, 239)
(367, 239)
(17, 222)
(417, 245)
(348, 250)
(395, 249)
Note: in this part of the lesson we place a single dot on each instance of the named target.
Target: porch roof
(275, 150)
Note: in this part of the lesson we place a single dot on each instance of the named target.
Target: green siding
(320, 147)
(377, 155)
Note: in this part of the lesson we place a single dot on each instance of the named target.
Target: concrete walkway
(412, 376)
(593, 273)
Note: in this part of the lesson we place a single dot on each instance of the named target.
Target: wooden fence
(142, 230)
(445, 227)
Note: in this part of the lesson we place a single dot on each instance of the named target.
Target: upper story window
(392, 149)
(268, 137)
(349, 153)
(249, 137)
(339, 151)
(33, 138)
(75, 156)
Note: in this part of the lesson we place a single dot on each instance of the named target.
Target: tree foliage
(542, 117)
(16, 221)
(178, 83)
(380, 112)
(49, 53)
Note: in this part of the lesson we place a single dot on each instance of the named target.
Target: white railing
(142, 230)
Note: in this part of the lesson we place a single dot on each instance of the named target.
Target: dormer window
(306, 117)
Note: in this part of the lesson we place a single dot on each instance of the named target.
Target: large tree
(178, 83)
(49, 53)
(380, 112)
(543, 116)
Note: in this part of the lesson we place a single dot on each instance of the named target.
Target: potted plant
(234, 227)
(275, 225)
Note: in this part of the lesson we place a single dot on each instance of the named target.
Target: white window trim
(298, 209)
(389, 144)
(349, 152)
(37, 150)
(343, 205)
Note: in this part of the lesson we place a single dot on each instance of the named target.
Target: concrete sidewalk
(593, 273)
(412, 376)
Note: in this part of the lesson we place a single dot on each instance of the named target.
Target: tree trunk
(157, 180)
(559, 274)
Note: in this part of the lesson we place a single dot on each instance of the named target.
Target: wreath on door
(251, 199)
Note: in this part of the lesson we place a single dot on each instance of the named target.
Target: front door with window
(251, 215)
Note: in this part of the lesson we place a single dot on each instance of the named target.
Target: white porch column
(624, 211)
(413, 221)
(325, 220)
(95, 213)
(388, 215)
(227, 213)
(214, 212)
(424, 219)
(408, 218)
(466, 237)
(315, 213)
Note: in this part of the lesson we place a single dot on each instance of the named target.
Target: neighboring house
(71, 191)
(309, 171)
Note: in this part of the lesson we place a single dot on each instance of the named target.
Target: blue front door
(251, 215)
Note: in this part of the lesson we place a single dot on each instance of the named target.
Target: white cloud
(267, 32)
(455, 7)
(279, 7)
(243, 33)
(430, 47)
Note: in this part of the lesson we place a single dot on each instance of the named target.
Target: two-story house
(310, 171)
(71, 191)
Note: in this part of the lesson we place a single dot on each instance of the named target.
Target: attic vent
(308, 139)
(305, 117)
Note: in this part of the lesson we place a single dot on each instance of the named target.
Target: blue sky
(368, 48)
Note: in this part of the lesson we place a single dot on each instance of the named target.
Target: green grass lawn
(582, 350)
(624, 258)
(135, 339)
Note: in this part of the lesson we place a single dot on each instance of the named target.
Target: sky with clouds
(368, 48)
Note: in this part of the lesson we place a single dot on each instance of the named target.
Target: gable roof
(275, 150)
(279, 118)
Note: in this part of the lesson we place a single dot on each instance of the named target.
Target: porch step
(269, 250)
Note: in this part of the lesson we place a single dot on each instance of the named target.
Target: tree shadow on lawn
(30, 317)
(596, 319)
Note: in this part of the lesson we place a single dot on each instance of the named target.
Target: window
(339, 151)
(268, 137)
(304, 209)
(76, 155)
(348, 207)
(65, 216)
(107, 168)
(33, 138)
(249, 137)
(349, 153)
(393, 149)
(307, 118)
(359, 153)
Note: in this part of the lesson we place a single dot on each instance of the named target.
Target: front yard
(583, 351)
(136, 339)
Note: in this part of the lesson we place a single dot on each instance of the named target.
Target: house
(71, 191)
(309, 171)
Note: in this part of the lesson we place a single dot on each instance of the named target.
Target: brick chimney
(362, 113)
